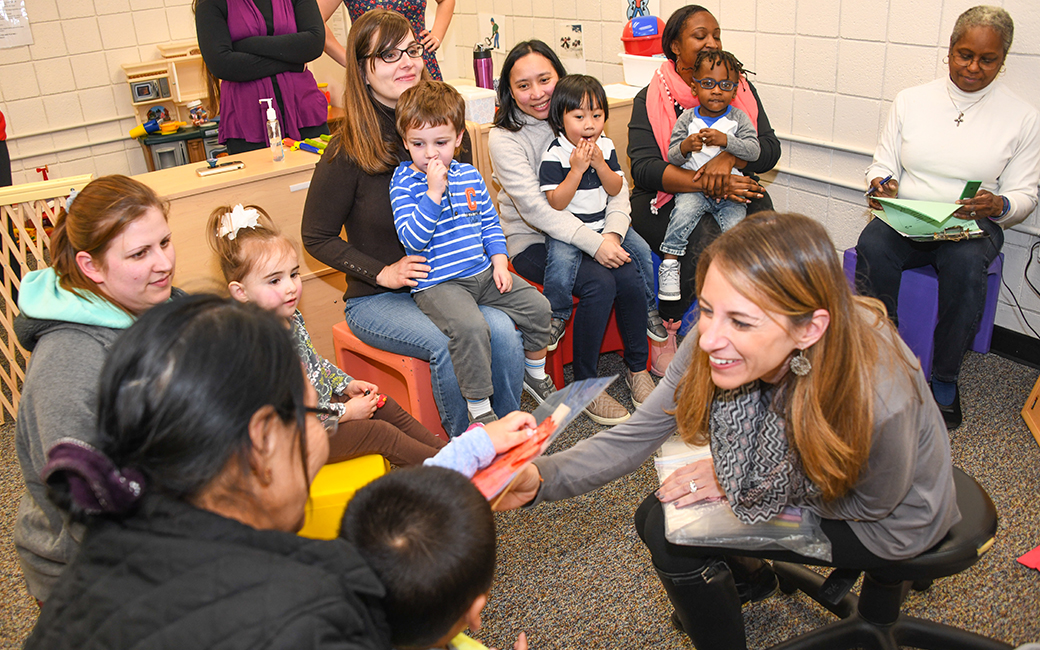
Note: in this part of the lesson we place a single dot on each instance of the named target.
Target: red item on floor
(1031, 559)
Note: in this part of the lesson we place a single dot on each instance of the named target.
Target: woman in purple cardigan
(259, 49)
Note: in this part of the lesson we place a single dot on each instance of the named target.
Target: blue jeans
(392, 322)
(598, 289)
(689, 208)
(882, 255)
(561, 268)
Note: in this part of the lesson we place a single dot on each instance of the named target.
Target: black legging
(846, 549)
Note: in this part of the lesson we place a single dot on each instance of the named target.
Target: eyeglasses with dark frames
(394, 54)
(318, 410)
(725, 85)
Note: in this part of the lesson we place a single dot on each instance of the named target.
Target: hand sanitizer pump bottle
(274, 132)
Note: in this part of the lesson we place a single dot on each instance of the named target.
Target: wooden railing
(27, 213)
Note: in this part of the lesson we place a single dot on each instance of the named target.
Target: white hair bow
(235, 220)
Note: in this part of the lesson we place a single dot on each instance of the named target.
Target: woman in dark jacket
(207, 442)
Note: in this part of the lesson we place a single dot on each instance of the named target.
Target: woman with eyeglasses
(350, 191)
(259, 49)
(192, 490)
(939, 136)
(655, 111)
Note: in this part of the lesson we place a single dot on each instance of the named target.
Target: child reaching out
(578, 172)
(262, 266)
(699, 135)
(443, 212)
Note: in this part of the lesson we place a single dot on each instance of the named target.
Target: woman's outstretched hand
(404, 272)
(524, 489)
(679, 486)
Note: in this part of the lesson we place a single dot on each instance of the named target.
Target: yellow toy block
(333, 488)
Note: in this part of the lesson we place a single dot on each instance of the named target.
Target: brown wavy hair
(787, 265)
(100, 212)
(360, 136)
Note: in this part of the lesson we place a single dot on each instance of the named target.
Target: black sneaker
(484, 418)
(556, 330)
(951, 413)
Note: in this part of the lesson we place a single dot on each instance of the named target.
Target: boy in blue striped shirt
(443, 212)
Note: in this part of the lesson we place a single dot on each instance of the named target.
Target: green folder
(925, 219)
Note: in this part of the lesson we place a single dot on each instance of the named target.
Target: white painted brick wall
(825, 70)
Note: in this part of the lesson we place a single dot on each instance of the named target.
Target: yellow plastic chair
(333, 488)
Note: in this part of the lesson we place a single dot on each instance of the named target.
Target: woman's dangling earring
(946, 60)
(800, 365)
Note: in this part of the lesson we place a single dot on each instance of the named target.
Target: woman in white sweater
(967, 127)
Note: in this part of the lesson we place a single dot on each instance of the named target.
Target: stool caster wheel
(921, 585)
(787, 586)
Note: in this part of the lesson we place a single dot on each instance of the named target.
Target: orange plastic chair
(405, 379)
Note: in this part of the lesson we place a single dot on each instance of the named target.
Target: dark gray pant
(453, 308)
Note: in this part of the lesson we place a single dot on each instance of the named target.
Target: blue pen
(871, 191)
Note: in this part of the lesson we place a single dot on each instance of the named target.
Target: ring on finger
(972, 214)
(693, 486)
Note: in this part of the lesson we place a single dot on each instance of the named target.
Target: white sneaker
(668, 281)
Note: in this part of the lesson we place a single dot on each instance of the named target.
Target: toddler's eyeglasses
(394, 54)
(725, 85)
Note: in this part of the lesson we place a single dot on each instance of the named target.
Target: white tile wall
(825, 70)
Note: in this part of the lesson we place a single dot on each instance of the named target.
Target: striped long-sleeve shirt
(457, 237)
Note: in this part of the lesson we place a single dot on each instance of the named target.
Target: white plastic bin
(639, 70)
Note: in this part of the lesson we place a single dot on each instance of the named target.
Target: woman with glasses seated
(350, 191)
(940, 136)
(259, 49)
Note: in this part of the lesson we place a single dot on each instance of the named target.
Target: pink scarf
(668, 88)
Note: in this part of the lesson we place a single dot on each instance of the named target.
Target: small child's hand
(436, 180)
(596, 156)
(500, 272)
(712, 137)
(581, 157)
(357, 388)
(511, 430)
(361, 408)
(691, 144)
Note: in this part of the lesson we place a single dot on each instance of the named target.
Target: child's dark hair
(430, 103)
(713, 58)
(239, 249)
(573, 92)
(429, 535)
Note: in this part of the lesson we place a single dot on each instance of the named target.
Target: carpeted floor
(575, 575)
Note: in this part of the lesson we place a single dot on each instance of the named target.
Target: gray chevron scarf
(758, 470)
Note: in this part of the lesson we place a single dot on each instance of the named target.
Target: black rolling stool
(873, 620)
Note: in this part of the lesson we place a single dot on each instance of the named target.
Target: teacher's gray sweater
(903, 503)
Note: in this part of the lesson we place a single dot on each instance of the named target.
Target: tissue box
(480, 103)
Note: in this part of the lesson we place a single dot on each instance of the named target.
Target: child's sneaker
(668, 281)
(484, 418)
(556, 329)
(539, 389)
(655, 326)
